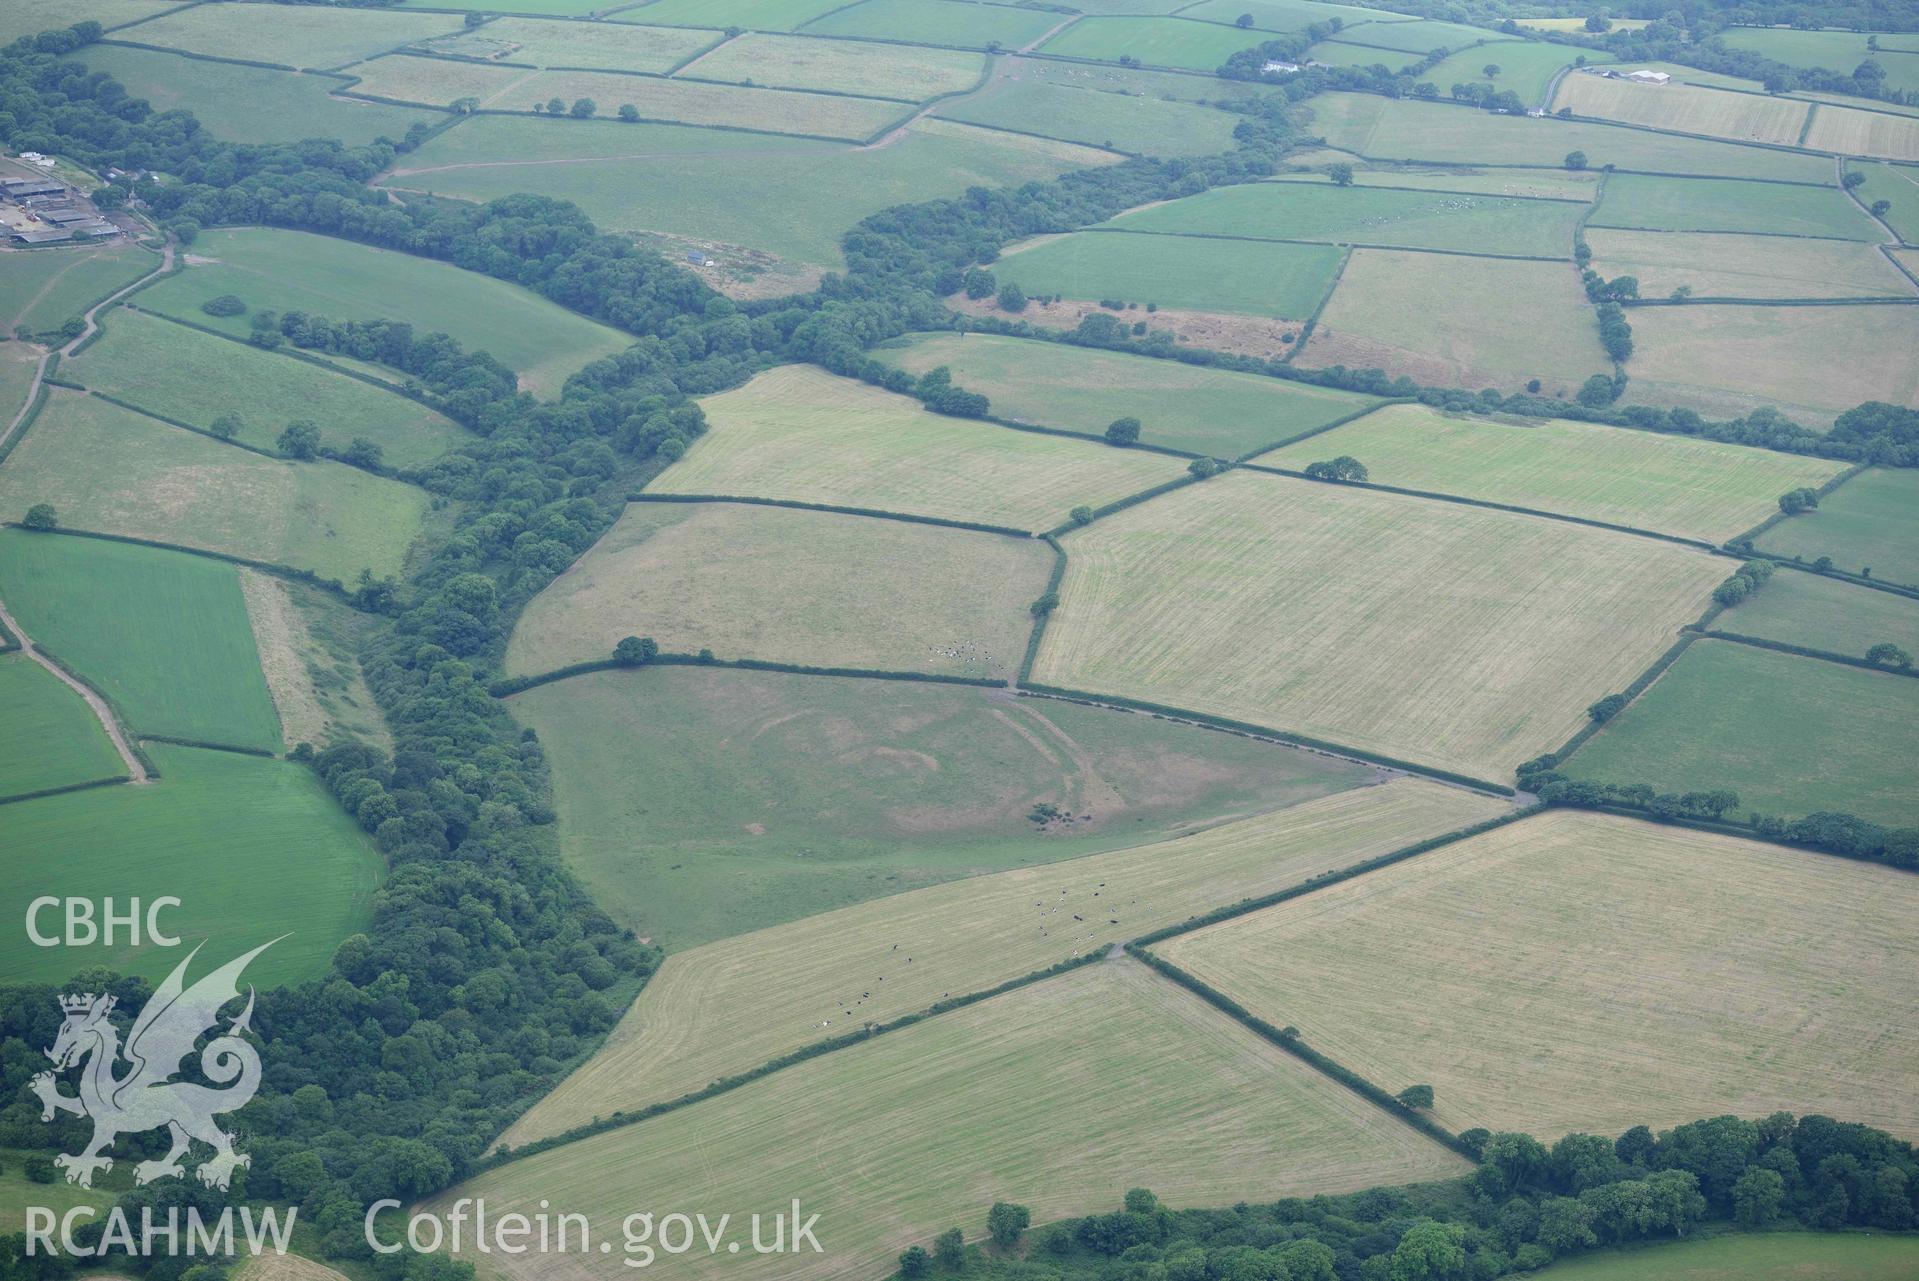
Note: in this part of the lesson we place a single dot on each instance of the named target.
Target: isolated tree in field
(915, 1262)
(1122, 431)
(1341, 174)
(466, 106)
(1490, 71)
(1343, 468)
(635, 651)
(474, 19)
(1416, 1096)
(1682, 293)
(42, 516)
(949, 1247)
(629, 113)
(1011, 297)
(1005, 1222)
(1607, 708)
(1889, 655)
(300, 440)
(224, 305)
(1794, 501)
(1853, 180)
(1575, 160)
(583, 107)
(226, 426)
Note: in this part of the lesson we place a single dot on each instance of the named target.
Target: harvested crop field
(1868, 525)
(1715, 265)
(787, 987)
(1824, 736)
(1153, 41)
(1646, 203)
(1462, 639)
(773, 797)
(938, 22)
(1726, 361)
(612, 46)
(798, 433)
(758, 15)
(310, 36)
(1613, 972)
(840, 66)
(1208, 411)
(788, 586)
(1852, 132)
(1669, 484)
(1450, 321)
(1714, 113)
(53, 739)
(1826, 613)
(1139, 125)
(1283, 281)
(113, 471)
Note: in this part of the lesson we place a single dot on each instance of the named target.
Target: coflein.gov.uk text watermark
(467, 1226)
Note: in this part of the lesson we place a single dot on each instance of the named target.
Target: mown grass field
(1279, 15)
(823, 976)
(1803, 361)
(1525, 67)
(1402, 129)
(1691, 204)
(614, 46)
(1154, 41)
(789, 586)
(758, 15)
(1241, 277)
(1426, 36)
(1208, 411)
(253, 848)
(31, 17)
(793, 198)
(938, 22)
(1826, 613)
(250, 104)
(1852, 132)
(162, 634)
(17, 363)
(17, 1192)
(1449, 321)
(43, 289)
(1838, 51)
(1141, 125)
(1869, 523)
(1060, 1096)
(1668, 484)
(177, 372)
(840, 66)
(53, 739)
(800, 433)
(1458, 638)
(309, 37)
(1823, 736)
(1898, 185)
(1612, 973)
(1549, 184)
(774, 797)
(1368, 215)
(546, 8)
(113, 471)
(1715, 265)
(1772, 1256)
(1339, 54)
(275, 270)
(1714, 113)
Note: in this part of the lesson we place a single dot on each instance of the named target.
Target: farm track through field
(136, 772)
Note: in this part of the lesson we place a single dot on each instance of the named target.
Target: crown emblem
(84, 1003)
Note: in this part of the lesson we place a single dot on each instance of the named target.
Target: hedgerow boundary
(64, 788)
(127, 732)
(975, 526)
(288, 572)
(1803, 651)
(1246, 459)
(520, 684)
(1040, 618)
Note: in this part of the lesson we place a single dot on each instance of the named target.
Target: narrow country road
(135, 770)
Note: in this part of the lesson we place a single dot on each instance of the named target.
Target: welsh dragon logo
(144, 1097)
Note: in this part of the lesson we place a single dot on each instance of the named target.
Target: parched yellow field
(800, 433)
(1587, 972)
(1454, 637)
(1864, 133)
(1670, 484)
(1725, 265)
(840, 66)
(1714, 113)
(794, 587)
(1058, 1096)
(612, 45)
(730, 1006)
(307, 36)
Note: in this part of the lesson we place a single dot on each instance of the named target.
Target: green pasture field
(1545, 184)
(1718, 204)
(776, 797)
(1425, 36)
(1822, 737)
(841, 66)
(1525, 67)
(1838, 51)
(1728, 265)
(110, 470)
(1614, 972)
(1826, 613)
(177, 372)
(42, 289)
(1803, 361)
(253, 848)
(1336, 53)
(1898, 184)
(793, 198)
(17, 1192)
(786, 987)
(164, 635)
(31, 17)
(283, 271)
(612, 45)
(755, 15)
(444, 81)
(1283, 15)
(538, 8)
(1137, 124)
(1241, 277)
(1207, 411)
(1402, 129)
(817, 588)
(1670, 484)
(310, 36)
(1455, 637)
(1449, 321)
(53, 739)
(1684, 108)
(1869, 523)
(1156, 42)
(250, 104)
(1173, 86)
(17, 364)
(939, 22)
(800, 433)
(1771, 1256)
(1851, 132)
(1126, 1077)
(1369, 215)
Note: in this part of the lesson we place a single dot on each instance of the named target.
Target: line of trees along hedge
(1528, 1204)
